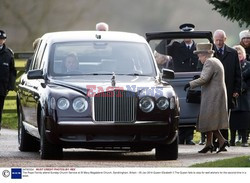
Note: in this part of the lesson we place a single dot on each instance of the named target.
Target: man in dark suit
(182, 60)
(229, 59)
(182, 54)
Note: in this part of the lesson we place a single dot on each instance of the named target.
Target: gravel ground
(10, 156)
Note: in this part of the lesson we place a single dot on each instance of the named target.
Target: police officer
(7, 71)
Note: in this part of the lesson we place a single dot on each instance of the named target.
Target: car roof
(93, 36)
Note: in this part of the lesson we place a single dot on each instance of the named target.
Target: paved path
(10, 156)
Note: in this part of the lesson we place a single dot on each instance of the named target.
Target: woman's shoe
(222, 148)
(206, 149)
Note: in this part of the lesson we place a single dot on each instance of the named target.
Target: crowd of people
(236, 78)
(182, 57)
(225, 82)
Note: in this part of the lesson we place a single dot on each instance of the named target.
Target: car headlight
(63, 103)
(146, 104)
(172, 103)
(162, 103)
(80, 104)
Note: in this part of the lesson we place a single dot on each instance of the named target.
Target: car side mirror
(167, 74)
(35, 74)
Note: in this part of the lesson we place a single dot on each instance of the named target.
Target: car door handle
(35, 87)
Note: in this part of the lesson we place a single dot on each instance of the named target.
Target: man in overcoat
(229, 59)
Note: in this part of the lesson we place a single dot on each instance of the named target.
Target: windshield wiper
(99, 74)
(134, 74)
(131, 74)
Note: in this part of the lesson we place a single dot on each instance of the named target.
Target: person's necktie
(220, 51)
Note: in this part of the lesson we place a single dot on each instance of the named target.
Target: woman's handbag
(193, 96)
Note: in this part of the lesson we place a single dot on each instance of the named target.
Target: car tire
(26, 142)
(167, 152)
(47, 149)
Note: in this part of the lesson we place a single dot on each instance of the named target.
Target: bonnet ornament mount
(113, 82)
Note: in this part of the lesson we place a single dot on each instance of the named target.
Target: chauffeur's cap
(187, 27)
(2, 34)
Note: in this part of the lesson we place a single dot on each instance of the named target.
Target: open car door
(174, 50)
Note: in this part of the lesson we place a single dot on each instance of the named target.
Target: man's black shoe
(190, 142)
(232, 143)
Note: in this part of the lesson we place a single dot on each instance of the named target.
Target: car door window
(38, 56)
(177, 54)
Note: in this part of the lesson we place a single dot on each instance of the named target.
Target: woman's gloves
(186, 86)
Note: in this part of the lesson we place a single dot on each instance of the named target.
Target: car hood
(83, 83)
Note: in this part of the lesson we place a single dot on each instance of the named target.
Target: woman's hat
(203, 48)
(244, 33)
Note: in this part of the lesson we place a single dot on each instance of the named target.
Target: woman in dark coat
(240, 115)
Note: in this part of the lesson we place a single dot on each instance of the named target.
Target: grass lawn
(243, 161)
(9, 120)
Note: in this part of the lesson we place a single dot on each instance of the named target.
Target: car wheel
(26, 142)
(47, 149)
(167, 152)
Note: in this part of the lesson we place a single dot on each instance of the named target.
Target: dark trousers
(243, 134)
(186, 134)
(203, 137)
(1, 107)
(224, 133)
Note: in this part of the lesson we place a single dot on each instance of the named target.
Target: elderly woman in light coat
(213, 110)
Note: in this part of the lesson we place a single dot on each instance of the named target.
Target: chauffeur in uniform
(7, 71)
(182, 60)
(182, 53)
(185, 61)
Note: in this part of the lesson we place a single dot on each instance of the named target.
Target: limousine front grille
(116, 106)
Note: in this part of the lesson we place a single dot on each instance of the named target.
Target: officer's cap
(187, 27)
(2, 34)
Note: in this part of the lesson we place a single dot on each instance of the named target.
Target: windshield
(101, 58)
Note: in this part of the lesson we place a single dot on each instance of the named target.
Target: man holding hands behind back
(229, 58)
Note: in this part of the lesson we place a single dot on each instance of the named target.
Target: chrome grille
(117, 106)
